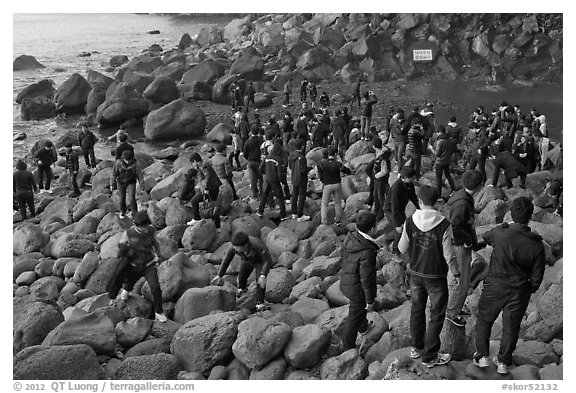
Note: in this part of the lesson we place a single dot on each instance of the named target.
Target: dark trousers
(130, 191)
(74, 182)
(133, 274)
(276, 188)
(400, 149)
(195, 202)
(234, 156)
(481, 162)
(246, 269)
(302, 95)
(356, 320)
(446, 170)
(427, 338)
(231, 183)
(25, 198)
(286, 98)
(44, 171)
(397, 235)
(416, 159)
(89, 157)
(298, 199)
(370, 200)
(509, 184)
(513, 304)
(381, 187)
(256, 179)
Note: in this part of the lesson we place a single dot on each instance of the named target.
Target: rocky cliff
(487, 47)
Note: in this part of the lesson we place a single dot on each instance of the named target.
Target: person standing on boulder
(24, 186)
(443, 153)
(125, 173)
(366, 119)
(338, 129)
(303, 89)
(140, 247)
(299, 173)
(512, 168)
(324, 100)
(252, 154)
(254, 256)
(223, 168)
(232, 92)
(123, 145)
(427, 237)
(313, 93)
(479, 151)
(358, 278)
(273, 173)
(210, 186)
(287, 128)
(461, 216)
(399, 137)
(356, 94)
(250, 95)
(72, 166)
(515, 272)
(87, 140)
(330, 174)
(380, 175)
(416, 146)
(287, 92)
(45, 158)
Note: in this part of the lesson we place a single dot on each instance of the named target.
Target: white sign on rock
(422, 54)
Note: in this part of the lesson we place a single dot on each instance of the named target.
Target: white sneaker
(124, 295)
(122, 215)
(415, 353)
(192, 222)
(483, 362)
(303, 218)
(160, 317)
(294, 216)
(501, 368)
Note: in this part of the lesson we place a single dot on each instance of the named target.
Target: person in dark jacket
(140, 247)
(271, 167)
(313, 93)
(244, 129)
(329, 172)
(252, 154)
(287, 128)
(122, 146)
(273, 128)
(187, 189)
(427, 237)
(443, 152)
(415, 114)
(72, 166)
(87, 140)
(456, 136)
(416, 146)
(302, 128)
(299, 171)
(380, 175)
(368, 101)
(526, 151)
(516, 271)
(461, 216)
(356, 96)
(303, 89)
(255, 256)
(249, 97)
(24, 186)
(324, 100)
(400, 193)
(210, 186)
(512, 169)
(358, 277)
(399, 137)
(479, 151)
(125, 173)
(338, 129)
(45, 158)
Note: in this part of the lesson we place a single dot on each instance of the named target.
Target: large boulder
(248, 67)
(28, 238)
(271, 36)
(280, 240)
(358, 149)
(552, 234)
(279, 283)
(179, 119)
(222, 132)
(119, 89)
(26, 62)
(347, 366)
(71, 245)
(43, 88)
(200, 235)
(210, 35)
(322, 267)
(173, 71)
(306, 346)
(208, 71)
(37, 108)
(95, 329)
(117, 110)
(162, 90)
(72, 95)
(311, 287)
(272, 371)
(313, 58)
(487, 195)
(66, 362)
(32, 321)
(169, 185)
(534, 353)
(145, 63)
(195, 91)
(198, 302)
(493, 213)
(259, 341)
(103, 273)
(220, 90)
(302, 230)
(550, 306)
(204, 342)
(132, 331)
(86, 267)
(160, 366)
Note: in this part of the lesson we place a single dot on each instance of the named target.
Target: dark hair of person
(365, 221)
(332, 151)
(471, 180)
(141, 218)
(452, 119)
(221, 147)
(68, 145)
(239, 239)
(21, 165)
(48, 144)
(122, 137)
(298, 143)
(428, 194)
(195, 157)
(127, 154)
(522, 209)
(407, 172)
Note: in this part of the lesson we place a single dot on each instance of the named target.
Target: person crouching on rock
(210, 184)
(254, 256)
(139, 248)
(358, 278)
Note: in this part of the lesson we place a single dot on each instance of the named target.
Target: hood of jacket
(357, 243)
(459, 196)
(427, 219)
(452, 124)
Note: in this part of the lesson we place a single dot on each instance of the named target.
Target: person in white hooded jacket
(427, 237)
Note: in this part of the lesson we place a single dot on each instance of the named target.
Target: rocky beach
(174, 101)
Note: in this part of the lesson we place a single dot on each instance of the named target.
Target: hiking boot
(481, 362)
(457, 320)
(303, 218)
(415, 353)
(440, 360)
(501, 368)
(160, 317)
(193, 221)
(369, 327)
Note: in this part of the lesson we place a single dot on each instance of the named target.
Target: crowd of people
(438, 248)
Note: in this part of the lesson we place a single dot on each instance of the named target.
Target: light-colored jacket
(221, 166)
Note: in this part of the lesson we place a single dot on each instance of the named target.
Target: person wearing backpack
(140, 250)
(299, 171)
(125, 173)
(87, 140)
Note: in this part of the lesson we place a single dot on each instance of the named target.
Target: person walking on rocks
(515, 272)
(399, 137)
(299, 172)
(236, 150)
(87, 140)
(358, 278)
(416, 146)
(24, 187)
(254, 256)
(249, 97)
(45, 158)
(338, 129)
(401, 192)
(303, 89)
(139, 246)
(356, 94)
(125, 173)
(123, 145)
(313, 93)
(72, 166)
(512, 168)
(271, 167)
(210, 186)
(380, 175)
(287, 92)
(287, 128)
(324, 100)
(252, 154)
(329, 172)
(223, 168)
(479, 151)
(427, 237)
(443, 153)
(455, 136)
(461, 216)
